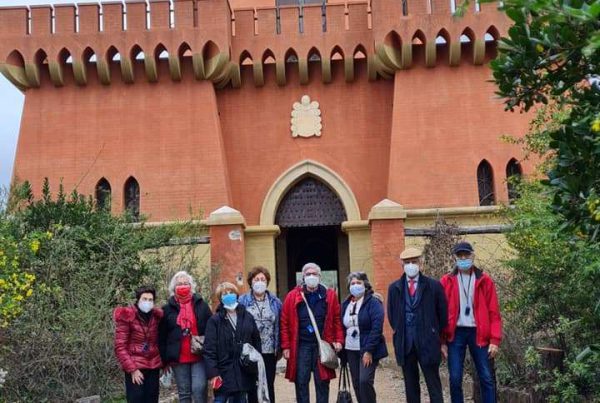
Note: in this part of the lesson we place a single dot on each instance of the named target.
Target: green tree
(60, 346)
(549, 63)
(551, 56)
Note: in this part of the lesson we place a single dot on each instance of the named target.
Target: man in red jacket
(298, 336)
(473, 321)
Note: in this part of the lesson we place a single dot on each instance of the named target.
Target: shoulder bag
(327, 355)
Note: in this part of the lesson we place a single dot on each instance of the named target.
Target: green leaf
(594, 9)
(517, 15)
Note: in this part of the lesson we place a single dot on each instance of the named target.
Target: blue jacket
(370, 326)
(248, 299)
(431, 317)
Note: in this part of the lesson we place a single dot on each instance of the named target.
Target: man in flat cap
(417, 313)
(474, 321)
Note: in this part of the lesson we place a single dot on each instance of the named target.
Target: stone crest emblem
(306, 118)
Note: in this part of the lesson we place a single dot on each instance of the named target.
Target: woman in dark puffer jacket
(185, 316)
(136, 346)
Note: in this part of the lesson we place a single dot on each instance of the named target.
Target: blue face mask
(357, 290)
(229, 300)
(464, 264)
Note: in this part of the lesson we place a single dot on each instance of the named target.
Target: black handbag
(344, 395)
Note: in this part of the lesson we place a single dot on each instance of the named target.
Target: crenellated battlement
(45, 43)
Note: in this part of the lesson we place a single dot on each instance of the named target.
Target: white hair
(173, 281)
(311, 266)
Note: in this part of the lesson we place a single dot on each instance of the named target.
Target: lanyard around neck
(468, 289)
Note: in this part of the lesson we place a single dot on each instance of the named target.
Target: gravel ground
(389, 385)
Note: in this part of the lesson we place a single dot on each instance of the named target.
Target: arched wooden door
(310, 217)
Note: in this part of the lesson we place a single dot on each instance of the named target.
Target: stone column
(227, 254)
(359, 246)
(387, 242)
(260, 250)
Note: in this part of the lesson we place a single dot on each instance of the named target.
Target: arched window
(103, 194)
(485, 184)
(132, 197)
(513, 174)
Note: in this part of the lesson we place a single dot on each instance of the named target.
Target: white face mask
(259, 287)
(411, 269)
(311, 281)
(146, 306)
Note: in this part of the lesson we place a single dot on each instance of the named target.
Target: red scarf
(186, 320)
(186, 317)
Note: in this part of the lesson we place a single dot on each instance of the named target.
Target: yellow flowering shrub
(16, 284)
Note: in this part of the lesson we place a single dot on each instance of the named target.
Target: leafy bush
(60, 347)
(554, 285)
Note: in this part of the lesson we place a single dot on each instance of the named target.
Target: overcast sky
(11, 106)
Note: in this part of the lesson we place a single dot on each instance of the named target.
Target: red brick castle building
(303, 131)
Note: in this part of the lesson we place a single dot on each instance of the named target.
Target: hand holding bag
(344, 395)
(327, 355)
(197, 345)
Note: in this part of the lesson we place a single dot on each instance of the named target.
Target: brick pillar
(227, 251)
(387, 242)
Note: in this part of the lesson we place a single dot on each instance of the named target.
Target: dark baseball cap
(462, 247)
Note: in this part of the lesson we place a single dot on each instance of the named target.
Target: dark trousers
(466, 337)
(270, 367)
(147, 392)
(307, 359)
(363, 378)
(411, 379)
(237, 397)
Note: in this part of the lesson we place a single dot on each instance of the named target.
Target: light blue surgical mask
(229, 301)
(464, 264)
(357, 290)
(146, 306)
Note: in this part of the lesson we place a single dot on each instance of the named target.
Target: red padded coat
(332, 331)
(131, 332)
(485, 308)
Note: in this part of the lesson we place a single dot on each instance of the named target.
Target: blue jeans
(466, 337)
(191, 382)
(239, 397)
(307, 359)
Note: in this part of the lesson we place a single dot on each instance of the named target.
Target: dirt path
(389, 385)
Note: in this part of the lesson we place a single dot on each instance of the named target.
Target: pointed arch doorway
(310, 215)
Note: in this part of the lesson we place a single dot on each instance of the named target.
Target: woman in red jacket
(136, 346)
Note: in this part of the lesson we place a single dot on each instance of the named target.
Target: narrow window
(103, 194)
(485, 184)
(513, 175)
(132, 197)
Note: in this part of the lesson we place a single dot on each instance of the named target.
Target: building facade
(307, 132)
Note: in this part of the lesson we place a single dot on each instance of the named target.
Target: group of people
(430, 319)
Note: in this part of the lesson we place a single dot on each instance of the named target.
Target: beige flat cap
(409, 253)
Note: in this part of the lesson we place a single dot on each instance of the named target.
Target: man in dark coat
(417, 312)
